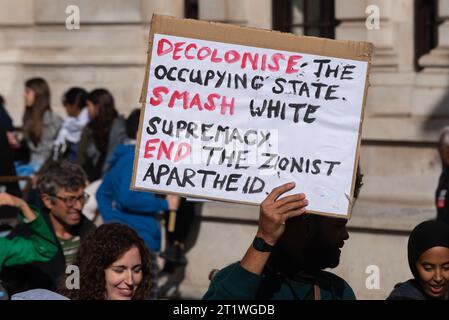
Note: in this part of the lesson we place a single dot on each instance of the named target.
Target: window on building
(305, 17)
(426, 28)
(191, 9)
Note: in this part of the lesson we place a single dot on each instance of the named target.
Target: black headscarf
(426, 235)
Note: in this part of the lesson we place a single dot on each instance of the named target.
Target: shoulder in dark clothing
(234, 282)
(335, 284)
(408, 290)
(5, 119)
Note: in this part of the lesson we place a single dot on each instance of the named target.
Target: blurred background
(407, 106)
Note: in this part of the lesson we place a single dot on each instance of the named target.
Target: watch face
(260, 245)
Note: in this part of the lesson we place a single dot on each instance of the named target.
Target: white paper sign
(232, 122)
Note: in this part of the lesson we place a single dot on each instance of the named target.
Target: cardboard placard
(229, 113)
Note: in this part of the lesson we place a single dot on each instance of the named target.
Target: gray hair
(61, 175)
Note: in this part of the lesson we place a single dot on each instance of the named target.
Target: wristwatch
(260, 245)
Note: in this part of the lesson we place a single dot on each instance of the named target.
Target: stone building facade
(406, 109)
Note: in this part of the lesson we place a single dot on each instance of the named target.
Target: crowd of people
(78, 172)
(76, 209)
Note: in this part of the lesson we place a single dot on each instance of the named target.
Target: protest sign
(229, 113)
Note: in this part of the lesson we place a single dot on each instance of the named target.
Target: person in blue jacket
(139, 210)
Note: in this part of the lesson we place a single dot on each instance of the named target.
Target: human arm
(9, 200)
(40, 246)
(242, 280)
(12, 140)
(273, 214)
(173, 202)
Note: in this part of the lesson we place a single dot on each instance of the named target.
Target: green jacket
(236, 283)
(41, 246)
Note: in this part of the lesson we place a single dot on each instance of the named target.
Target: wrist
(21, 205)
(27, 212)
(261, 245)
(269, 240)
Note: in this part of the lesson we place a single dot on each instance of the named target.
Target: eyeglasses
(71, 201)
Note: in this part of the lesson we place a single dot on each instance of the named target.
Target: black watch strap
(260, 245)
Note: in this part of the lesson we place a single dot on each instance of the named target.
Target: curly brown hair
(98, 252)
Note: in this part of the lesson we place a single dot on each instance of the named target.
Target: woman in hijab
(428, 258)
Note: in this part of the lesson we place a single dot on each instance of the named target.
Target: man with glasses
(61, 187)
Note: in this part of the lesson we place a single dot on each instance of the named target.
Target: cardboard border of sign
(227, 33)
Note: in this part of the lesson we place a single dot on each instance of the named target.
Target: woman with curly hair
(105, 130)
(114, 264)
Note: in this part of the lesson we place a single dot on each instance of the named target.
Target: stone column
(438, 58)
(431, 97)
(396, 108)
(14, 16)
(165, 7)
(109, 49)
(393, 41)
(253, 13)
(16, 13)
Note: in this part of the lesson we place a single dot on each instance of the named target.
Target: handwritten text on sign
(231, 122)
